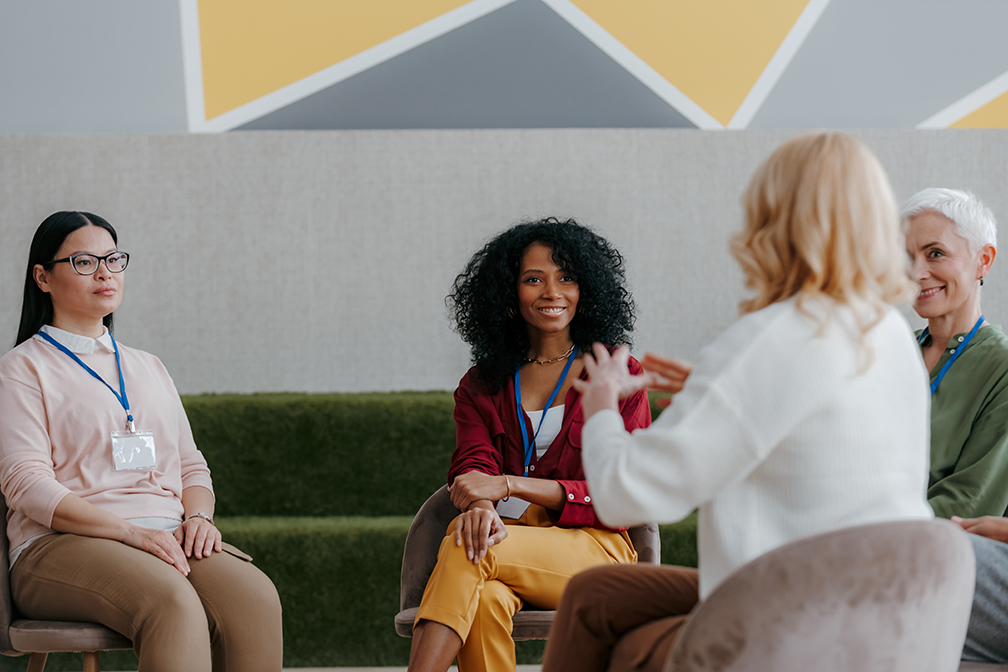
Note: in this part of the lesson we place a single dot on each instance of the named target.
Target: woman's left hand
(992, 527)
(198, 537)
(608, 380)
(474, 486)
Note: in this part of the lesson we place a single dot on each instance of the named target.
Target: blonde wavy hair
(821, 222)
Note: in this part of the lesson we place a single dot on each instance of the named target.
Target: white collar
(81, 345)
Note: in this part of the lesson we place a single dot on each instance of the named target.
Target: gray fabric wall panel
(319, 261)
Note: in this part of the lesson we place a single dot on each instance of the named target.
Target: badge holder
(513, 508)
(133, 450)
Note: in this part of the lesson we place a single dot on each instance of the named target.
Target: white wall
(319, 261)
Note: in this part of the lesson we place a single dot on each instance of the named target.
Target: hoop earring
(511, 311)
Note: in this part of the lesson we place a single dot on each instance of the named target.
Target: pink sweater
(55, 426)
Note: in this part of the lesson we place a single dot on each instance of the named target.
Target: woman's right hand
(160, 544)
(478, 529)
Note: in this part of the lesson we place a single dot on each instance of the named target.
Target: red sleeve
(478, 431)
(579, 510)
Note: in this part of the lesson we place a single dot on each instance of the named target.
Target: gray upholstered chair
(40, 638)
(887, 596)
(420, 556)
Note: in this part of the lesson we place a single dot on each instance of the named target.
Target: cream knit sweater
(778, 434)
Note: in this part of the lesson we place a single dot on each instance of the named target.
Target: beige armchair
(888, 596)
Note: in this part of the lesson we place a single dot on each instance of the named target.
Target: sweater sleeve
(27, 479)
(978, 486)
(192, 463)
(665, 471)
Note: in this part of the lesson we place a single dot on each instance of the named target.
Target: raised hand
(668, 374)
(608, 380)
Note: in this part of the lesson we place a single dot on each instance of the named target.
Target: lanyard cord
(121, 395)
(521, 414)
(958, 351)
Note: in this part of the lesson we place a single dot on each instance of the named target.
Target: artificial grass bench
(320, 490)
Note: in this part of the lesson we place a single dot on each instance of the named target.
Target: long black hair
(37, 307)
(484, 298)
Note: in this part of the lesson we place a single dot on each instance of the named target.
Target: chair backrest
(886, 596)
(6, 606)
(428, 529)
(422, 544)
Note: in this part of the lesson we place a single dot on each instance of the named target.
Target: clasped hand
(478, 529)
(195, 537)
(473, 486)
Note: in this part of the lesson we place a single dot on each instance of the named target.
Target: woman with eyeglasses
(110, 502)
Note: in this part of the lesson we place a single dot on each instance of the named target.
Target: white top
(778, 434)
(550, 427)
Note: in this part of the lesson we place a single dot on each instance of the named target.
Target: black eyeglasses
(87, 264)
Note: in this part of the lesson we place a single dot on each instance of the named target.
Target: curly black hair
(484, 297)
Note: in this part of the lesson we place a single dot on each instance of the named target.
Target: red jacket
(489, 440)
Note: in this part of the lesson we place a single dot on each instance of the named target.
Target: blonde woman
(808, 414)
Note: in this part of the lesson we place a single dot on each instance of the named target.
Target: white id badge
(514, 507)
(133, 450)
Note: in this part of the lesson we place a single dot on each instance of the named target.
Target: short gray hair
(974, 221)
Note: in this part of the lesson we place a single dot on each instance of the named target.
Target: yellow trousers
(533, 564)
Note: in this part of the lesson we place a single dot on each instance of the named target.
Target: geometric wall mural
(221, 65)
(676, 63)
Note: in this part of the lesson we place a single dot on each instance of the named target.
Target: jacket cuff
(578, 510)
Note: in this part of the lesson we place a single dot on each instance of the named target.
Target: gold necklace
(544, 362)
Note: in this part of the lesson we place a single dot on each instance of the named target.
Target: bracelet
(199, 514)
(508, 495)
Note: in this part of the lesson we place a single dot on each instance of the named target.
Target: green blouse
(969, 428)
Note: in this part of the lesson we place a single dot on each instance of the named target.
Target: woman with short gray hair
(951, 238)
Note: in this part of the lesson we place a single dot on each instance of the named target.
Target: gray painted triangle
(521, 66)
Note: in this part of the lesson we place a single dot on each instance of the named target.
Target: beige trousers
(226, 605)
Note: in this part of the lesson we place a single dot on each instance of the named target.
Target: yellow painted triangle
(711, 50)
(992, 115)
(253, 47)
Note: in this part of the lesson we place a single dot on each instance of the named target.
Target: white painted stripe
(778, 64)
(968, 104)
(192, 63)
(354, 65)
(634, 64)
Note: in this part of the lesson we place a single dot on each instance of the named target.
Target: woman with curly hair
(809, 414)
(529, 303)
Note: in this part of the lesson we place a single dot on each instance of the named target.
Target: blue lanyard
(121, 394)
(958, 351)
(521, 414)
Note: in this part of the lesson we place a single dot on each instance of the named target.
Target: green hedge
(325, 454)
